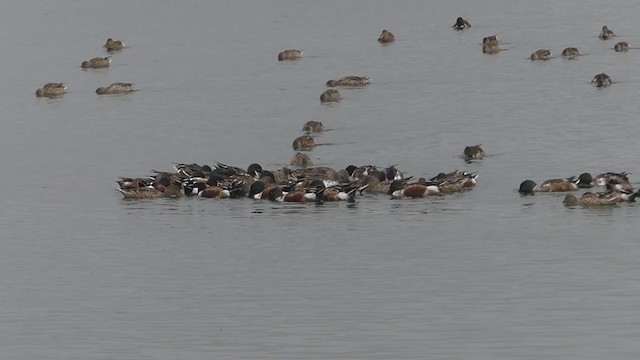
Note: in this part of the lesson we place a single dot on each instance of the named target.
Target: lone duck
(461, 24)
(112, 45)
(291, 54)
(606, 34)
(330, 95)
(350, 81)
(541, 54)
(473, 152)
(591, 199)
(386, 37)
(97, 63)
(51, 90)
(621, 46)
(116, 88)
(305, 142)
(601, 80)
(313, 126)
(570, 52)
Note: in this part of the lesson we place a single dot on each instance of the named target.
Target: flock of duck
(491, 45)
(56, 90)
(306, 183)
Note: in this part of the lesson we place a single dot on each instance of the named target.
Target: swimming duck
(330, 95)
(351, 81)
(290, 54)
(467, 182)
(601, 80)
(51, 90)
(97, 63)
(461, 24)
(112, 45)
(606, 34)
(301, 160)
(570, 52)
(585, 180)
(473, 152)
(313, 126)
(399, 189)
(615, 181)
(490, 40)
(386, 37)
(116, 88)
(621, 46)
(304, 142)
(171, 191)
(591, 199)
(541, 54)
(491, 49)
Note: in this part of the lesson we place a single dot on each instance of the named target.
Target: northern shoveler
(621, 46)
(473, 152)
(290, 54)
(330, 95)
(541, 54)
(601, 80)
(116, 88)
(570, 52)
(51, 90)
(461, 24)
(112, 45)
(313, 126)
(591, 199)
(606, 34)
(350, 81)
(399, 189)
(97, 63)
(386, 37)
(303, 143)
(301, 160)
(585, 180)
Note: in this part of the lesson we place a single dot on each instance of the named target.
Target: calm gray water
(482, 275)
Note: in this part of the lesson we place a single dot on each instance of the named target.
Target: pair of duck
(56, 90)
(333, 95)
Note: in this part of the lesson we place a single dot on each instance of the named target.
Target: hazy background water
(481, 275)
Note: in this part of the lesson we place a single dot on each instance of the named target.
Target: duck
(313, 126)
(399, 189)
(290, 54)
(601, 80)
(591, 199)
(542, 54)
(621, 46)
(301, 160)
(331, 95)
(491, 48)
(490, 40)
(171, 191)
(453, 185)
(116, 88)
(585, 180)
(386, 37)
(570, 52)
(278, 194)
(473, 152)
(97, 63)
(606, 34)
(112, 45)
(615, 181)
(51, 90)
(304, 143)
(350, 81)
(461, 24)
